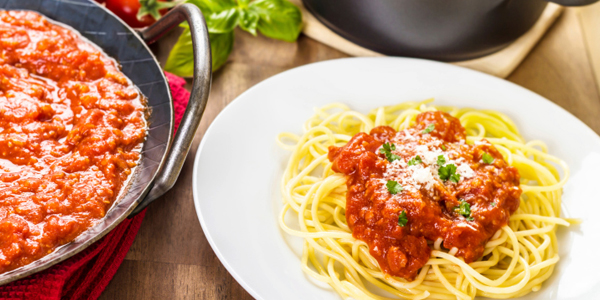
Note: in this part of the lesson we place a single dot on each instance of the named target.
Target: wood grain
(560, 70)
(171, 258)
(590, 22)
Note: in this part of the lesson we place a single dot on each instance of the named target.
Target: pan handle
(180, 146)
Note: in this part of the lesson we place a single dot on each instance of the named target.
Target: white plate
(238, 165)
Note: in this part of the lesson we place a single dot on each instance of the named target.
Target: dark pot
(448, 30)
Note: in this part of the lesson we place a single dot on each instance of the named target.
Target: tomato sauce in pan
(71, 128)
(464, 210)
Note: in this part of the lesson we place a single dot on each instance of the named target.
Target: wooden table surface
(171, 258)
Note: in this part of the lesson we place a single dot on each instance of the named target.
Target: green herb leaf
(464, 209)
(415, 161)
(441, 160)
(249, 21)
(488, 159)
(181, 59)
(220, 47)
(212, 6)
(279, 19)
(393, 187)
(221, 18)
(455, 178)
(429, 129)
(447, 171)
(493, 204)
(470, 219)
(387, 149)
(223, 21)
(393, 157)
(243, 3)
(153, 7)
(443, 147)
(402, 219)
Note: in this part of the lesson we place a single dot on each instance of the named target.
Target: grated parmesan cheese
(465, 171)
(423, 175)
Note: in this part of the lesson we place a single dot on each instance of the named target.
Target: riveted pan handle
(180, 146)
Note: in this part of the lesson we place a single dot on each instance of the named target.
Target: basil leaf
(181, 59)
(279, 19)
(212, 6)
(249, 21)
(223, 21)
(220, 47)
(243, 3)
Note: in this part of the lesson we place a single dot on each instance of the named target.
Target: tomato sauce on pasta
(424, 184)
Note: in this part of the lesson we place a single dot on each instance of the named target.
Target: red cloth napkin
(86, 275)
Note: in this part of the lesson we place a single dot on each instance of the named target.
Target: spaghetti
(515, 261)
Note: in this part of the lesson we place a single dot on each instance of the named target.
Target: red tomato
(127, 10)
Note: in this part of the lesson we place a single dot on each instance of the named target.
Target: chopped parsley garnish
(443, 147)
(448, 172)
(441, 160)
(488, 159)
(387, 149)
(493, 204)
(455, 178)
(428, 129)
(415, 161)
(464, 209)
(393, 187)
(402, 219)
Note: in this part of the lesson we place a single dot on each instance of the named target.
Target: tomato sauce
(434, 206)
(71, 128)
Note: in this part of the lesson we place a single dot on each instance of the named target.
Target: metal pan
(162, 156)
